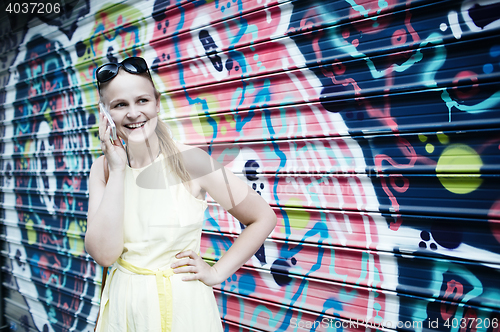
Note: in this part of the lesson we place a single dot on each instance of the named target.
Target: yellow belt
(164, 293)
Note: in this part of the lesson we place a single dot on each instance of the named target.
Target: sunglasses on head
(133, 65)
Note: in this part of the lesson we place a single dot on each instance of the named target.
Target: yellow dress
(161, 219)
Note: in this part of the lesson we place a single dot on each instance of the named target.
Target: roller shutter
(371, 127)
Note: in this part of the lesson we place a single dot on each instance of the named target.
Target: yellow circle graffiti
(299, 219)
(458, 169)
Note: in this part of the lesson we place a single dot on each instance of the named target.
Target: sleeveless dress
(161, 219)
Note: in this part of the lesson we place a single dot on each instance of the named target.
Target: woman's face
(133, 106)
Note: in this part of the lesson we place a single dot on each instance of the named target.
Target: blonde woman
(146, 206)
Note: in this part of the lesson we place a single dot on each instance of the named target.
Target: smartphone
(110, 121)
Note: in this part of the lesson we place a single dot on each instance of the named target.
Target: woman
(146, 206)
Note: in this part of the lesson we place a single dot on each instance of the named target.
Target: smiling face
(133, 104)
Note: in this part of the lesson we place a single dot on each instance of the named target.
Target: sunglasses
(133, 65)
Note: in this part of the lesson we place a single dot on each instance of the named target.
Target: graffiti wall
(370, 127)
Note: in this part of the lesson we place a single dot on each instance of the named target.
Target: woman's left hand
(189, 261)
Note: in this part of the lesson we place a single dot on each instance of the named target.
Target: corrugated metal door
(371, 127)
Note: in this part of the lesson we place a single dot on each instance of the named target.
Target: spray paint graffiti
(44, 196)
(267, 94)
(370, 126)
(417, 85)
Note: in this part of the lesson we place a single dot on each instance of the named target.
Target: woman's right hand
(115, 153)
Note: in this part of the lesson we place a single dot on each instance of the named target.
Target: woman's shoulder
(97, 168)
(98, 163)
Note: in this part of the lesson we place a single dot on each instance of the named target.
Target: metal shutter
(371, 127)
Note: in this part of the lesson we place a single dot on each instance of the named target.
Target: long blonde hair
(168, 149)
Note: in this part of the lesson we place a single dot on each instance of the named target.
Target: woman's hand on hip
(195, 268)
(115, 153)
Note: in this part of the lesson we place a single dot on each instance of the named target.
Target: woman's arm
(243, 203)
(104, 236)
(252, 211)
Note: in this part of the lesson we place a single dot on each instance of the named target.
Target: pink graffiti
(410, 153)
(494, 215)
(265, 93)
(454, 292)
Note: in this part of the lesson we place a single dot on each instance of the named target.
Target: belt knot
(164, 290)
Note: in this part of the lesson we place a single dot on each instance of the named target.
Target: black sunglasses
(133, 65)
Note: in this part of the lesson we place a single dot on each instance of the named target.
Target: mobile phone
(110, 121)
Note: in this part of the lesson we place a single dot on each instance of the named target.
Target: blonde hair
(168, 148)
(170, 151)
